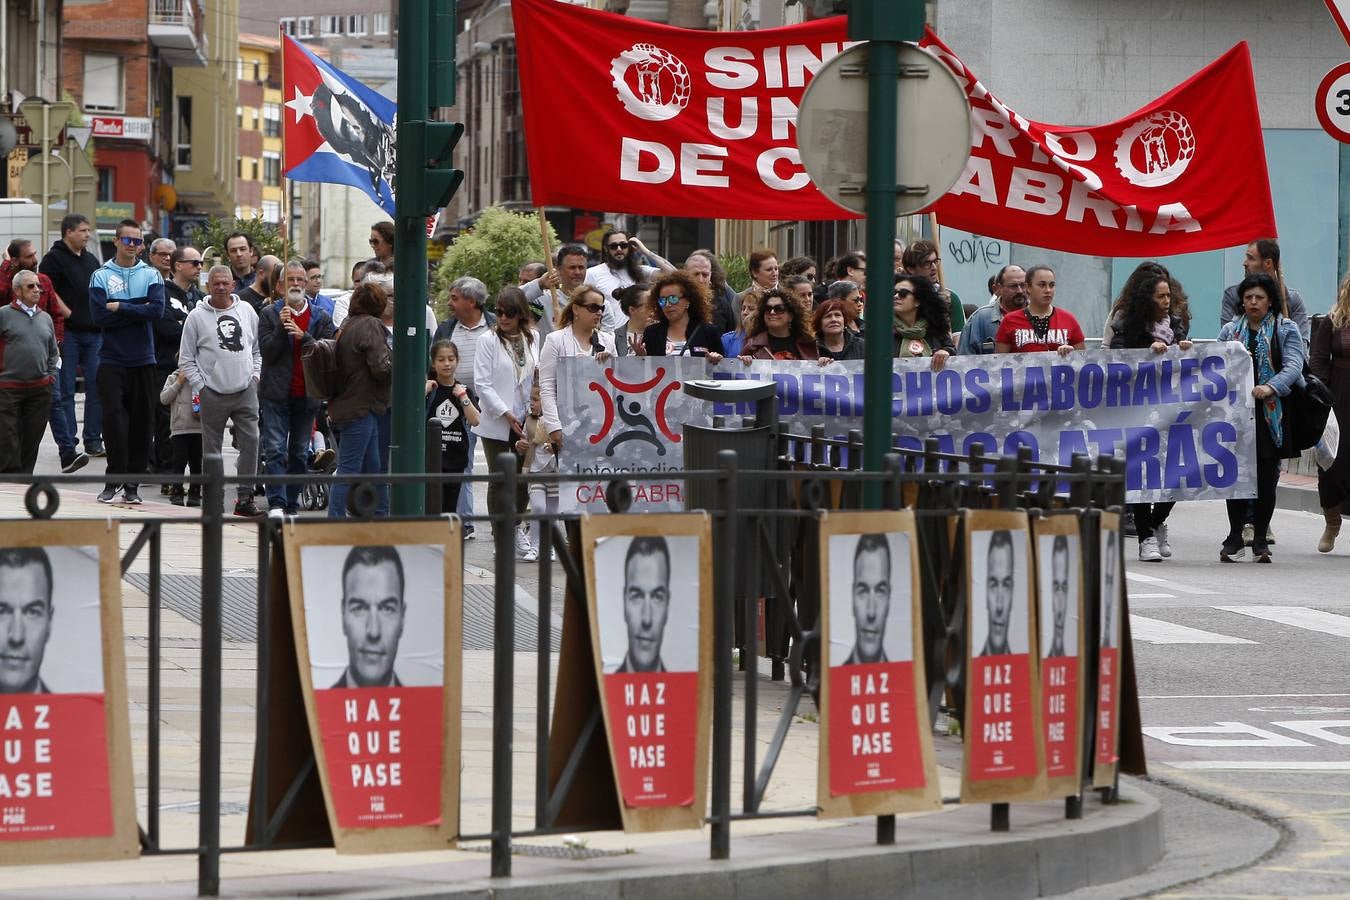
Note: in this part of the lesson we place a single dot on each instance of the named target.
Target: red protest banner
(627, 115)
(1185, 173)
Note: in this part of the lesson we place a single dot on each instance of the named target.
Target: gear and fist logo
(653, 84)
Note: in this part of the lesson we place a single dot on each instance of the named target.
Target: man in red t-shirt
(1039, 326)
(287, 412)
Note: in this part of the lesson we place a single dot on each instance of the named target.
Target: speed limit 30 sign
(1333, 103)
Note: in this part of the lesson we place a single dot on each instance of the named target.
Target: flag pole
(285, 182)
(548, 259)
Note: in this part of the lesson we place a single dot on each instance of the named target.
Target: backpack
(319, 359)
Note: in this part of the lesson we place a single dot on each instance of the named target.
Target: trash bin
(755, 447)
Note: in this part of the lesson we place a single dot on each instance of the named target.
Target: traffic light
(442, 36)
(426, 179)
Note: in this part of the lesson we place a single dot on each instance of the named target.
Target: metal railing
(174, 12)
(760, 551)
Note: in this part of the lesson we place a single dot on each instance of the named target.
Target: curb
(1050, 857)
(1298, 497)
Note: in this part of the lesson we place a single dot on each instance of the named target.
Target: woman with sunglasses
(503, 375)
(578, 334)
(780, 331)
(922, 327)
(681, 327)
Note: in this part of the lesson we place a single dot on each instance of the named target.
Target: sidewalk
(949, 851)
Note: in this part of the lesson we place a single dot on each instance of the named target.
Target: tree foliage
(210, 238)
(738, 270)
(493, 251)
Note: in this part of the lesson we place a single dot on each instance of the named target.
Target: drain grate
(183, 595)
(551, 851)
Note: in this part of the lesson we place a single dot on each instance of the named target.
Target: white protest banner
(1183, 422)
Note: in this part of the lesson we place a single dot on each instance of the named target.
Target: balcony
(175, 32)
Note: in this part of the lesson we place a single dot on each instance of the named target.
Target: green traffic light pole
(423, 183)
(884, 24)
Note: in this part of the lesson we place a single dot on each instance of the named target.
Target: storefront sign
(128, 127)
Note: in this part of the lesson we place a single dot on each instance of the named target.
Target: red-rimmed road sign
(1333, 102)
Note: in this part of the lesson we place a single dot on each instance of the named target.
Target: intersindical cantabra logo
(626, 412)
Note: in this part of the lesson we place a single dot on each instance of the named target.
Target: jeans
(497, 504)
(80, 351)
(129, 397)
(286, 426)
(358, 454)
(464, 508)
(242, 410)
(23, 421)
(62, 433)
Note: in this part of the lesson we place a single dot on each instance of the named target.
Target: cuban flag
(336, 129)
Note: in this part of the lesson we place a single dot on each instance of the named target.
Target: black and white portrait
(1058, 567)
(375, 615)
(998, 592)
(871, 609)
(50, 621)
(1111, 589)
(228, 333)
(647, 602)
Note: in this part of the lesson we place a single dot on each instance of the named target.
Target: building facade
(117, 62)
(328, 23)
(204, 171)
(258, 119)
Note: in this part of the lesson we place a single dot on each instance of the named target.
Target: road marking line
(1231, 696)
(1153, 596)
(1297, 616)
(1163, 582)
(1156, 631)
(1267, 765)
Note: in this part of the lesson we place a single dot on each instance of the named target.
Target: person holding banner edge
(779, 331)
(579, 333)
(681, 327)
(922, 327)
(1040, 325)
(1268, 337)
(1146, 320)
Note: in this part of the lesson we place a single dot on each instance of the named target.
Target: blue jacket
(981, 328)
(1292, 353)
(129, 331)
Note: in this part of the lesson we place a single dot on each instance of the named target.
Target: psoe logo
(1156, 149)
(621, 403)
(652, 83)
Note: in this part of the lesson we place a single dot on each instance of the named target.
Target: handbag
(1306, 407)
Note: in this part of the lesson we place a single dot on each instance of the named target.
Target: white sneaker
(1148, 550)
(529, 554)
(523, 540)
(1160, 533)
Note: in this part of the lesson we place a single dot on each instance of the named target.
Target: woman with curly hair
(1146, 320)
(365, 371)
(681, 327)
(780, 331)
(922, 327)
(834, 338)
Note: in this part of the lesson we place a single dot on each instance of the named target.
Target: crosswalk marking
(1156, 631)
(1134, 596)
(1164, 583)
(1297, 616)
(1264, 765)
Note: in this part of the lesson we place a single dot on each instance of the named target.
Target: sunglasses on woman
(670, 299)
(774, 308)
(904, 293)
(594, 308)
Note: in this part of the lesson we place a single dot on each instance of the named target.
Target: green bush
(499, 243)
(210, 238)
(737, 269)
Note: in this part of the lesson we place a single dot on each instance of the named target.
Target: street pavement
(1246, 692)
(1246, 707)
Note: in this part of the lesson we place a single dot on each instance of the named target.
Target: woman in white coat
(578, 333)
(503, 376)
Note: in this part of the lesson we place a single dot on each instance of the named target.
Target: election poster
(1059, 583)
(1105, 752)
(1178, 419)
(1004, 757)
(66, 790)
(649, 584)
(376, 613)
(876, 747)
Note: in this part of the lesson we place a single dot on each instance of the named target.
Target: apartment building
(258, 118)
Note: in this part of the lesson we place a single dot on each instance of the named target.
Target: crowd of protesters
(175, 364)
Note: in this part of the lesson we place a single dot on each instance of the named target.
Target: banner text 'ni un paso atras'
(1183, 422)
